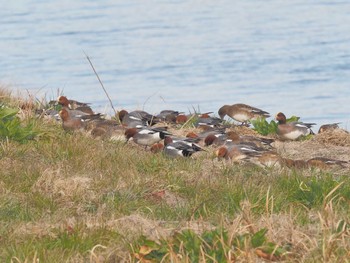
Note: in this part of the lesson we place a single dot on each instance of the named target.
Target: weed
(210, 246)
(11, 126)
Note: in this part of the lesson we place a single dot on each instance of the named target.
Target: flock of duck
(152, 133)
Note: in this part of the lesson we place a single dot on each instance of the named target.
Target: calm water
(290, 56)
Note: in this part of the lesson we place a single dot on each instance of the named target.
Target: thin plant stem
(98, 77)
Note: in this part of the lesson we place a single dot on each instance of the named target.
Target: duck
(168, 116)
(181, 119)
(71, 123)
(237, 152)
(185, 139)
(290, 163)
(208, 121)
(146, 136)
(215, 139)
(292, 130)
(248, 139)
(106, 130)
(233, 137)
(196, 117)
(268, 159)
(137, 118)
(242, 112)
(77, 108)
(180, 148)
(101, 123)
(157, 147)
(325, 163)
(328, 127)
(206, 130)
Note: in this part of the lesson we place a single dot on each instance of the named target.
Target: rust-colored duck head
(281, 118)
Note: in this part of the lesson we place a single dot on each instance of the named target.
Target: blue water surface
(289, 56)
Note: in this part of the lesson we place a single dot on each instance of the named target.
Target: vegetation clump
(263, 127)
(11, 127)
(210, 246)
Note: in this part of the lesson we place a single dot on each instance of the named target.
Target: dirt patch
(55, 183)
(135, 225)
(36, 229)
(155, 229)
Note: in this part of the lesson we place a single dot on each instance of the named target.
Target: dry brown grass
(337, 137)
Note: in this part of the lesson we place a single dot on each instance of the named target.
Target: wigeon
(268, 159)
(325, 163)
(215, 139)
(168, 116)
(292, 130)
(146, 136)
(179, 148)
(80, 107)
(242, 112)
(185, 139)
(136, 118)
(237, 152)
(157, 147)
(109, 132)
(104, 123)
(235, 138)
(204, 115)
(73, 104)
(208, 121)
(221, 139)
(181, 119)
(192, 135)
(209, 130)
(48, 113)
(290, 163)
(71, 123)
(248, 139)
(328, 127)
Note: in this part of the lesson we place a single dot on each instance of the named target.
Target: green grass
(69, 198)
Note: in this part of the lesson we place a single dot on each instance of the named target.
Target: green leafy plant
(12, 128)
(263, 127)
(259, 238)
(214, 246)
(293, 118)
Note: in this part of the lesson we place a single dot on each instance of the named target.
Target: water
(289, 56)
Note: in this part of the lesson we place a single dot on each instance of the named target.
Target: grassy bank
(69, 198)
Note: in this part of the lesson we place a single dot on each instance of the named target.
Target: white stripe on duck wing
(257, 141)
(159, 131)
(211, 130)
(137, 118)
(145, 136)
(176, 149)
(180, 147)
(211, 122)
(185, 139)
(145, 116)
(238, 152)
